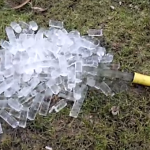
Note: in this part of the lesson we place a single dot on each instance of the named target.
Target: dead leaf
(115, 110)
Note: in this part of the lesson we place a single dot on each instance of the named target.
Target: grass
(127, 35)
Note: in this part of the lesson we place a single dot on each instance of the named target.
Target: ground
(126, 31)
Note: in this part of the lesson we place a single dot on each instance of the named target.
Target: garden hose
(141, 79)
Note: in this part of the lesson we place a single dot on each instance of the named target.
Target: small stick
(39, 9)
(21, 5)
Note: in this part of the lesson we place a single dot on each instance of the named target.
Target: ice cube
(3, 104)
(1, 78)
(109, 66)
(35, 106)
(9, 72)
(106, 89)
(1, 130)
(26, 77)
(23, 25)
(89, 70)
(8, 60)
(13, 103)
(41, 87)
(107, 58)
(55, 89)
(77, 92)
(60, 105)
(14, 113)
(78, 67)
(84, 52)
(74, 34)
(23, 117)
(25, 91)
(90, 81)
(16, 27)
(56, 24)
(33, 25)
(9, 92)
(58, 80)
(44, 107)
(100, 51)
(5, 45)
(78, 103)
(66, 95)
(11, 35)
(95, 32)
(8, 118)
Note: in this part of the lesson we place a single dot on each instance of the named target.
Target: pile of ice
(37, 64)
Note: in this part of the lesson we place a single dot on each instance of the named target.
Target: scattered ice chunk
(56, 24)
(95, 32)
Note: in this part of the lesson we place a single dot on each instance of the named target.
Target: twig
(39, 9)
(21, 5)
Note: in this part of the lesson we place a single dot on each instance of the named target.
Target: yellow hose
(141, 79)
